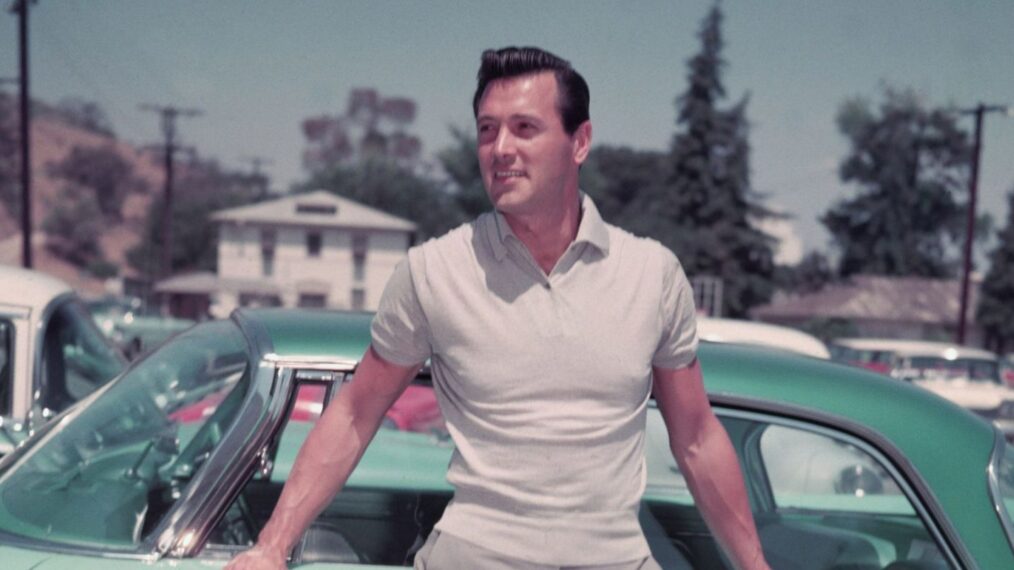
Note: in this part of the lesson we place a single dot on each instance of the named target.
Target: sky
(257, 68)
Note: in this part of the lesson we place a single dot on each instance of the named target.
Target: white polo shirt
(543, 380)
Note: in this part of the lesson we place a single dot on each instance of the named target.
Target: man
(547, 331)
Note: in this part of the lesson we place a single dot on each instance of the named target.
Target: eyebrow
(515, 116)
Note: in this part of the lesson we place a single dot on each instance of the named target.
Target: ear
(581, 140)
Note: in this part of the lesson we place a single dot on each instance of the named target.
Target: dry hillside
(52, 140)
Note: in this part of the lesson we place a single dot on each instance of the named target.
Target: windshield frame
(144, 549)
(37, 415)
(1000, 454)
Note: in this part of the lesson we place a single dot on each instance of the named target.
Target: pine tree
(995, 313)
(910, 164)
(707, 196)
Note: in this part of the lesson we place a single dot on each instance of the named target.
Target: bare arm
(330, 453)
(706, 458)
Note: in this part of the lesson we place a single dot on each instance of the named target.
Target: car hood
(972, 395)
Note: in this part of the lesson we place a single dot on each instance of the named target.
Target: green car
(179, 461)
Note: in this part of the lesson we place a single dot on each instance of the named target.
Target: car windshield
(939, 368)
(76, 358)
(105, 473)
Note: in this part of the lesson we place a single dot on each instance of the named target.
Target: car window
(821, 500)
(6, 365)
(386, 509)
(107, 473)
(938, 368)
(76, 358)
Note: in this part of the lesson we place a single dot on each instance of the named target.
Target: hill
(53, 139)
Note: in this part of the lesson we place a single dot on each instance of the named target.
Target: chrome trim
(38, 385)
(312, 362)
(40, 335)
(993, 481)
(186, 526)
(927, 504)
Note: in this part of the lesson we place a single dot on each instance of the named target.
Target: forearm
(713, 475)
(323, 465)
(333, 448)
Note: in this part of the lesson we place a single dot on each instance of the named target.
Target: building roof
(205, 282)
(872, 297)
(320, 208)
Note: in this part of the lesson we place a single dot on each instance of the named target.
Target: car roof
(28, 288)
(905, 347)
(713, 329)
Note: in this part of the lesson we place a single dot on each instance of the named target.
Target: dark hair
(573, 96)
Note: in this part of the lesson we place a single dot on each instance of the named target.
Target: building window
(358, 299)
(314, 241)
(312, 300)
(268, 240)
(360, 242)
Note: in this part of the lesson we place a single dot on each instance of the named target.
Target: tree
(706, 210)
(811, 274)
(86, 115)
(461, 164)
(910, 164)
(624, 183)
(203, 188)
(103, 172)
(995, 312)
(371, 127)
(73, 226)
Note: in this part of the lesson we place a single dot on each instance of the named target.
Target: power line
(169, 114)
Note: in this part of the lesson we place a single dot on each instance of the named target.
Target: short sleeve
(400, 332)
(677, 346)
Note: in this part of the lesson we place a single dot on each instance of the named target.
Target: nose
(503, 147)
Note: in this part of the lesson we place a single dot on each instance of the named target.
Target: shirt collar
(592, 229)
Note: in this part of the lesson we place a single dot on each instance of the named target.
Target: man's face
(526, 157)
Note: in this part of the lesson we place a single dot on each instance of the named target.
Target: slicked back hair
(573, 97)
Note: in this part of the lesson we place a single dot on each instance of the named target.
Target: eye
(485, 131)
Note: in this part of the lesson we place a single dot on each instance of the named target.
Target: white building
(307, 250)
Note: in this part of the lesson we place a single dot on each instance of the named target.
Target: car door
(822, 499)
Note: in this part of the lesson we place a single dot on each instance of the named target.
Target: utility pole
(169, 115)
(255, 163)
(20, 7)
(973, 190)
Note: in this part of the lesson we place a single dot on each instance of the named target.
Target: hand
(258, 558)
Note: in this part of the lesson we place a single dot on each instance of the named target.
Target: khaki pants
(448, 552)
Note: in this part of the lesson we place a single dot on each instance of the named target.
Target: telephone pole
(973, 190)
(169, 115)
(20, 7)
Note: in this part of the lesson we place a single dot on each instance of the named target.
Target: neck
(548, 234)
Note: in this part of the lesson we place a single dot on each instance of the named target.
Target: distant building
(878, 306)
(308, 250)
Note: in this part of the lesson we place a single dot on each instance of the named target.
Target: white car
(969, 377)
(51, 352)
(711, 329)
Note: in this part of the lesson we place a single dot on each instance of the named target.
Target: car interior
(820, 503)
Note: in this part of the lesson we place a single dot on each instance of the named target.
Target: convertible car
(179, 461)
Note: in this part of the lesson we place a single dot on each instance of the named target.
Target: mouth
(508, 174)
